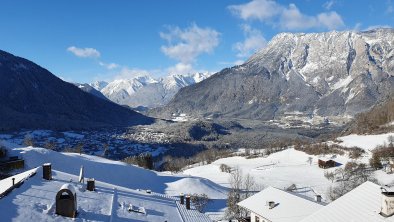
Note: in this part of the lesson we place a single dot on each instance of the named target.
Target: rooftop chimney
(182, 197)
(318, 198)
(387, 208)
(271, 204)
(188, 202)
(90, 184)
(47, 171)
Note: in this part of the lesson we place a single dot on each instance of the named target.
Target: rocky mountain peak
(337, 73)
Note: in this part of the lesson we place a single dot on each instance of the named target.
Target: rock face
(325, 74)
(145, 91)
(32, 97)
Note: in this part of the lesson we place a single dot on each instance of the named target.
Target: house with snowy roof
(44, 194)
(368, 202)
(276, 205)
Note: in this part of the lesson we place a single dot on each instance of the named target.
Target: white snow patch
(342, 83)
(366, 142)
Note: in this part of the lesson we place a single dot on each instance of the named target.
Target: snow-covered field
(280, 170)
(290, 166)
(366, 142)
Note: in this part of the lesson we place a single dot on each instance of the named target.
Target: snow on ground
(35, 200)
(180, 118)
(290, 166)
(281, 170)
(121, 174)
(366, 142)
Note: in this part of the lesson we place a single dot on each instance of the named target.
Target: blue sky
(89, 40)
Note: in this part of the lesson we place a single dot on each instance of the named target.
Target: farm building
(276, 205)
(326, 163)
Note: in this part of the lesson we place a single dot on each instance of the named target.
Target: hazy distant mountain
(89, 89)
(145, 91)
(99, 85)
(32, 97)
(327, 74)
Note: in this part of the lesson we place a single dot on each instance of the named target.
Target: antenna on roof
(81, 176)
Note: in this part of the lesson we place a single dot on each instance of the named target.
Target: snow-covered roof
(35, 199)
(69, 187)
(288, 207)
(361, 204)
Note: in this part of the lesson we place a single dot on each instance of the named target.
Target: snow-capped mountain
(146, 91)
(327, 74)
(99, 85)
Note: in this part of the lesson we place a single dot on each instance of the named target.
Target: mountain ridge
(145, 91)
(317, 74)
(32, 97)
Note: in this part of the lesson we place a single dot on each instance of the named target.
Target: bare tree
(200, 201)
(242, 187)
(349, 178)
(28, 140)
(310, 159)
(50, 145)
(391, 140)
(329, 176)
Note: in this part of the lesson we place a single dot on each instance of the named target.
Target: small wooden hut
(326, 163)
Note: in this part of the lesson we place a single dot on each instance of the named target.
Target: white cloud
(293, 19)
(109, 66)
(239, 62)
(257, 9)
(254, 41)
(357, 26)
(390, 7)
(185, 45)
(286, 17)
(330, 20)
(328, 4)
(181, 68)
(84, 52)
(377, 27)
(130, 73)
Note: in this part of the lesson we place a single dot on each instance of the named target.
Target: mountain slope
(32, 97)
(146, 91)
(325, 74)
(89, 89)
